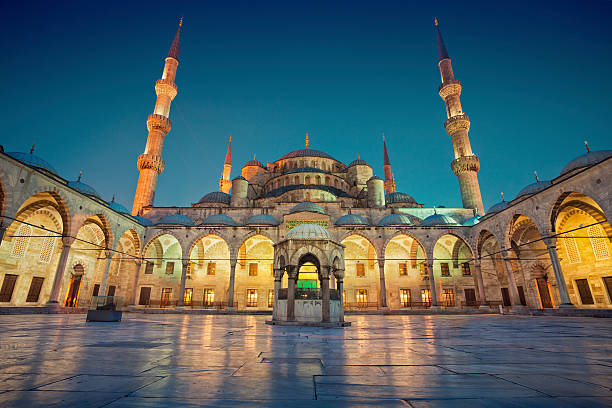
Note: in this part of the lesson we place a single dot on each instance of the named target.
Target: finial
(230, 138)
(80, 175)
(587, 146)
(113, 200)
(255, 156)
(383, 136)
(503, 199)
(181, 22)
(32, 149)
(536, 176)
(435, 211)
(307, 141)
(358, 158)
(435, 21)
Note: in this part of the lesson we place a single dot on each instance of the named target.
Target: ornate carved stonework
(465, 163)
(450, 87)
(148, 161)
(161, 122)
(166, 87)
(455, 123)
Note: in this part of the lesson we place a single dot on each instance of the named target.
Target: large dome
(215, 197)
(33, 161)
(306, 153)
(307, 206)
(397, 197)
(306, 170)
(308, 231)
(534, 188)
(438, 219)
(586, 160)
(395, 219)
(351, 219)
(262, 219)
(358, 162)
(219, 219)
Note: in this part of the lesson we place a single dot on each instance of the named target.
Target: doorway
(74, 286)
(544, 292)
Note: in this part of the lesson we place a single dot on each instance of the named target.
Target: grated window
(20, 246)
(573, 254)
(598, 242)
(46, 251)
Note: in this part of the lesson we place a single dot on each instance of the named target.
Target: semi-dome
(306, 170)
(502, 205)
(307, 206)
(534, 188)
(438, 219)
(358, 162)
(118, 207)
(397, 197)
(215, 197)
(306, 153)
(586, 160)
(219, 219)
(83, 188)
(472, 221)
(262, 219)
(143, 221)
(33, 161)
(351, 219)
(177, 219)
(308, 231)
(395, 219)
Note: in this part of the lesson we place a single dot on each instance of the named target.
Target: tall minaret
(466, 164)
(389, 179)
(224, 183)
(150, 163)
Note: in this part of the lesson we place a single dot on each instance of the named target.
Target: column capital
(339, 274)
(292, 271)
(233, 262)
(551, 242)
(67, 241)
(109, 254)
(186, 262)
(278, 273)
(477, 263)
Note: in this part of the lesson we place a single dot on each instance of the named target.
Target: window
(46, 251)
(608, 284)
(403, 269)
(145, 296)
(470, 297)
(296, 180)
(405, 297)
(189, 270)
(8, 284)
(506, 297)
(149, 267)
(35, 287)
(251, 297)
(271, 298)
(111, 291)
(573, 254)
(96, 290)
(426, 296)
(361, 296)
(444, 269)
(448, 297)
(211, 268)
(465, 269)
(318, 179)
(360, 269)
(583, 289)
(253, 269)
(188, 296)
(424, 269)
(20, 246)
(521, 294)
(169, 268)
(209, 297)
(598, 242)
(165, 296)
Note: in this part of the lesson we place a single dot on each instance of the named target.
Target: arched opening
(254, 285)
(208, 273)
(160, 275)
(453, 272)
(406, 273)
(497, 283)
(308, 280)
(361, 275)
(124, 267)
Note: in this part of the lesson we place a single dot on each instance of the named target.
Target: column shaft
(59, 272)
(230, 294)
(432, 286)
(340, 286)
(561, 286)
(480, 284)
(109, 260)
(514, 296)
(291, 294)
(325, 312)
(383, 286)
(181, 300)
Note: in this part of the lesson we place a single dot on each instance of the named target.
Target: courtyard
(237, 360)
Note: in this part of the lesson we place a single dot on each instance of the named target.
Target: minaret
(466, 164)
(150, 163)
(225, 184)
(389, 179)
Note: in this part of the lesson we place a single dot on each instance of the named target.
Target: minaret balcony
(160, 122)
(450, 87)
(456, 123)
(149, 161)
(166, 87)
(464, 164)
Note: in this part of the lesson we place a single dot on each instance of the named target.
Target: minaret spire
(466, 163)
(150, 163)
(389, 179)
(307, 141)
(224, 183)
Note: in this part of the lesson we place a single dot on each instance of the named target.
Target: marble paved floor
(381, 361)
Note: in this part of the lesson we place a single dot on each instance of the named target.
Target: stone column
(514, 296)
(2, 231)
(181, 300)
(432, 286)
(109, 260)
(340, 289)
(291, 277)
(278, 276)
(383, 287)
(138, 264)
(230, 294)
(61, 268)
(325, 312)
(561, 286)
(480, 284)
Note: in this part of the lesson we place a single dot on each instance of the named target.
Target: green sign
(294, 223)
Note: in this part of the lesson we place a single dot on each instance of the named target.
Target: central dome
(307, 206)
(306, 153)
(308, 231)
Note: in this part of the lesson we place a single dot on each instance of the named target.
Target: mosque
(306, 226)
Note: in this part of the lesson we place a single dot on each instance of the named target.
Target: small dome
(374, 178)
(586, 160)
(118, 207)
(254, 162)
(215, 197)
(262, 219)
(143, 221)
(307, 206)
(438, 219)
(397, 197)
(308, 231)
(472, 221)
(502, 205)
(178, 219)
(351, 219)
(33, 161)
(239, 178)
(534, 188)
(395, 219)
(358, 162)
(306, 170)
(83, 188)
(306, 153)
(219, 219)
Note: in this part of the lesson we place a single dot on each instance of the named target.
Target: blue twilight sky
(78, 80)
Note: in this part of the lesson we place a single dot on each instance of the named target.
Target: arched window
(318, 180)
(307, 180)
(336, 183)
(573, 254)
(307, 196)
(46, 251)
(327, 180)
(598, 242)
(20, 247)
(297, 179)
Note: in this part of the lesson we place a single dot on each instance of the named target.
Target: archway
(406, 273)
(124, 267)
(495, 279)
(361, 275)
(453, 269)
(254, 285)
(208, 273)
(308, 279)
(160, 275)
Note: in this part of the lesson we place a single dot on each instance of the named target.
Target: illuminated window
(361, 296)
(360, 269)
(209, 297)
(426, 296)
(35, 287)
(251, 297)
(189, 270)
(165, 296)
(20, 246)
(211, 268)
(148, 267)
(598, 242)
(465, 269)
(253, 269)
(271, 298)
(444, 269)
(188, 296)
(8, 285)
(573, 255)
(448, 297)
(424, 269)
(46, 251)
(169, 268)
(405, 297)
(403, 269)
